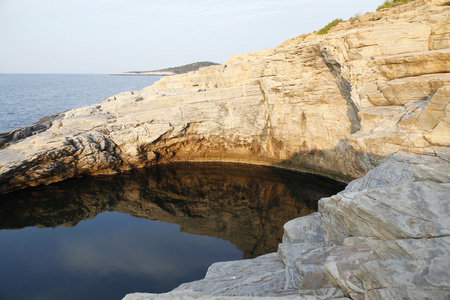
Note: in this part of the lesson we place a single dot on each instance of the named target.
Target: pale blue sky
(107, 36)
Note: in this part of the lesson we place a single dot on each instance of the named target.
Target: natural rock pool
(147, 230)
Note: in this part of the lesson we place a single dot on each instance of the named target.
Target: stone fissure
(345, 89)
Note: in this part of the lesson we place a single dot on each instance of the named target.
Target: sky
(109, 36)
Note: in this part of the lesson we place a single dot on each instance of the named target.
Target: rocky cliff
(369, 100)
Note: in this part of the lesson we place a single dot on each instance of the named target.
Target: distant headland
(171, 71)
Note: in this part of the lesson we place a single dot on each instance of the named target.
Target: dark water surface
(147, 230)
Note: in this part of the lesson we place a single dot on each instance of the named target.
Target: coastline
(144, 73)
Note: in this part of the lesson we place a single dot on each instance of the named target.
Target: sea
(143, 231)
(25, 98)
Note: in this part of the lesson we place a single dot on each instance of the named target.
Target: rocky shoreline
(366, 103)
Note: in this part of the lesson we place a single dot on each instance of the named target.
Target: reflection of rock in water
(245, 205)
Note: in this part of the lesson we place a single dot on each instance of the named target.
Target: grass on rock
(389, 3)
(329, 26)
(386, 4)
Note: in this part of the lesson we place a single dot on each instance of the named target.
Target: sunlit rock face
(242, 204)
(338, 104)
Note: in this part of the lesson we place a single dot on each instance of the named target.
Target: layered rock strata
(370, 99)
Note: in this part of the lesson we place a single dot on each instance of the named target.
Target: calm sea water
(147, 230)
(25, 98)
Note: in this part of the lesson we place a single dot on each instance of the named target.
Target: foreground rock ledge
(369, 100)
(386, 236)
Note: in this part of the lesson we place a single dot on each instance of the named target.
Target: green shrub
(386, 4)
(354, 18)
(389, 3)
(329, 26)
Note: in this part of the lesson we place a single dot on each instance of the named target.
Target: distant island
(171, 71)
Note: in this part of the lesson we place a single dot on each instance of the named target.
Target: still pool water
(104, 258)
(147, 230)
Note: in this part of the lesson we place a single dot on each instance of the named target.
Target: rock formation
(369, 100)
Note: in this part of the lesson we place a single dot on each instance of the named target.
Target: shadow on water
(245, 205)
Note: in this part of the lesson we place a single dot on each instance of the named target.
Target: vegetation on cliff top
(389, 3)
(329, 26)
(386, 4)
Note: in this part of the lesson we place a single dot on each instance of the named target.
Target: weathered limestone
(369, 100)
(406, 243)
(262, 276)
